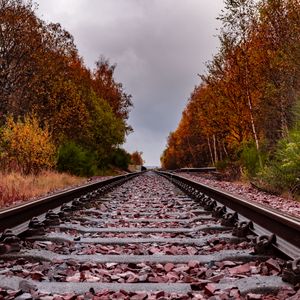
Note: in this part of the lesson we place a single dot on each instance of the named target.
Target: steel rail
(198, 170)
(266, 220)
(18, 217)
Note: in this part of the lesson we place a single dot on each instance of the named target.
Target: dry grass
(16, 188)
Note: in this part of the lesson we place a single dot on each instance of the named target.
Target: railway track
(145, 238)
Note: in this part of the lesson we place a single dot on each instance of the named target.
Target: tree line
(245, 107)
(78, 115)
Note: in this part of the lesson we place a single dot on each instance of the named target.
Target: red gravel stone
(210, 288)
(273, 264)
(139, 296)
(169, 267)
(252, 296)
(245, 268)
(193, 263)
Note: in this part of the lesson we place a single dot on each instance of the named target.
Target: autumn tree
(239, 21)
(136, 158)
(20, 39)
(278, 38)
(194, 143)
(42, 72)
(111, 91)
(169, 158)
(247, 94)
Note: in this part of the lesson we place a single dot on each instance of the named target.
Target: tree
(106, 130)
(246, 96)
(20, 39)
(111, 91)
(279, 36)
(239, 22)
(41, 72)
(136, 158)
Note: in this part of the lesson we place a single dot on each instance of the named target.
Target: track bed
(145, 239)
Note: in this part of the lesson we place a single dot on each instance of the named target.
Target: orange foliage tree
(249, 90)
(41, 72)
(136, 158)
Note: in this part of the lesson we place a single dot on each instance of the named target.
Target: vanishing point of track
(147, 236)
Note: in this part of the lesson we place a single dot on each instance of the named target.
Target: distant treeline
(50, 101)
(244, 112)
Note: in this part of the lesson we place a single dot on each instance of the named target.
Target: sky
(159, 47)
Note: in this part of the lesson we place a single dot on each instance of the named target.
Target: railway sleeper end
(243, 229)
(51, 218)
(230, 219)
(219, 211)
(9, 242)
(66, 208)
(264, 244)
(35, 227)
(210, 204)
(291, 273)
(199, 196)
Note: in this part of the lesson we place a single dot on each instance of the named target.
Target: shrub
(283, 172)
(221, 165)
(250, 159)
(76, 160)
(120, 158)
(26, 146)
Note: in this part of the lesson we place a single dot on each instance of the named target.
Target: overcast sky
(159, 47)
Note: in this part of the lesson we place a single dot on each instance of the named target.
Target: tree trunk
(191, 151)
(210, 150)
(254, 129)
(249, 100)
(215, 149)
(283, 121)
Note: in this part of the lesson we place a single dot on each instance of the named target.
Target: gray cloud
(159, 47)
